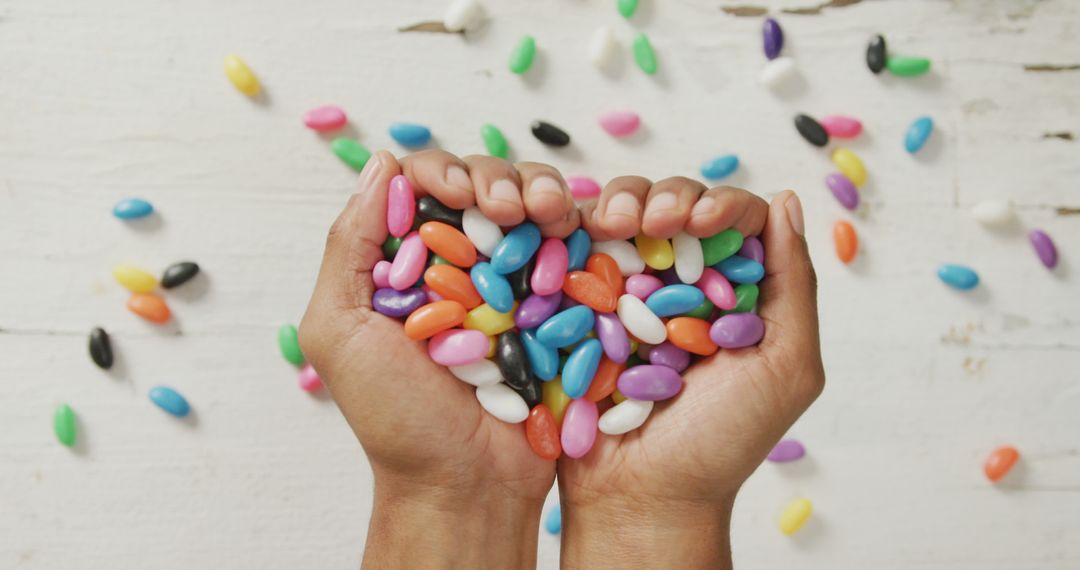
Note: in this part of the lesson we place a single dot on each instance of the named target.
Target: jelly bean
(549, 134)
(400, 206)
(516, 249)
(325, 118)
(676, 299)
(627, 7)
(289, 344)
(650, 382)
(64, 425)
(513, 361)
(581, 367)
(773, 38)
(737, 330)
(484, 234)
(667, 354)
(493, 288)
(433, 318)
(746, 296)
(618, 397)
(691, 335)
(536, 309)
(410, 134)
(602, 47)
(702, 311)
(522, 57)
(532, 392)
(876, 54)
(150, 307)
(643, 352)
(170, 400)
(503, 403)
(850, 165)
(555, 399)
(578, 246)
(461, 15)
(542, 433)
(612, 336)
(309, 379)
(640, 321)
(179, 273)
(657, 253)
(1044, 248)
(786, 450)
(846, 241)
(431, 295)
(134, 279)
(589, 290)
(689, 257)
(351, 152)
(777, 72)
(437, 259)
(907, 66)
(1000, 462)
(811, 130)
(486, 319)
(620, 124)
(567, 327)
(579, 428)
(843, 190)
(644, 54)
(739, 269)
(641, 285)
(391, 246)
(624, 253)
(958, 276)
(721, 246)
(607, 270)
(582, 187)
(493, 343)
(453, 284)
(841, 127)
(429, 209)
(605, 379)
(494, 141)
(553, 520)
(917, 134)
(752, 248)
(408, 263)
(449, 242)
(993, 212)
(720, 167)
(717, 288)
(101, 348)
(625, 417)
(457, 347)
(479, 373)
(543, 360)
(241, 76)
(380, 274)
(550, 268)
(132, 209)
(795, 516)
(521, 280)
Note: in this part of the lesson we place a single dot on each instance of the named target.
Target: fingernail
(371, 171)
(458, 178)
(623, 205)
(504, 190)
(661, 202)
(545, 185)
(794, 214)
(704, 206)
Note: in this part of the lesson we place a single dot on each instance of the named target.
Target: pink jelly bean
(841, 127)
(641, 285)
(409, 262)
(551, 262)
(579, 427)
(583, 187)
(400, 206)
(309, 379)
(380, 274)
(458, 347)
(620, 123)
(325, 118)
(717, 288)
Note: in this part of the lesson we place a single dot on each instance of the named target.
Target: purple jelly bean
(642, 285)
(650, 382)
(669, 355)
(612, 337)
(774, 38)
(1044, 248)
(397, 304)
(669, 277)
(786, 450)
(566, 302)
(753, 249)
(536, 309)
(737, 330)
(843, 189)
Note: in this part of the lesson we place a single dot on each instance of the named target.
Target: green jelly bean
(351, 152)
(746, 296)
(390, 247)
(644, 54)
(494, 141)
(627, 7)
(289, 342)
(721, 246)
(907, 66)
(703, 311)
(522, 58)
(437, 259)
(563, 357)
(64, 424)
(635, 360)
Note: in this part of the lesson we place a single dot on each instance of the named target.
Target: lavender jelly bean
(667, 354)
(1044, 248)
(843, 190)
(752, 248)
(737, 330)
(612, 337)
(650, 382)
(536, 309)
(786, 450)
(397, 304)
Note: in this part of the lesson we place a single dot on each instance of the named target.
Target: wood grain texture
(108, 99)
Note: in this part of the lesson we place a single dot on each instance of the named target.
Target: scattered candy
(876, 54)
(795, 516)
(462, 15)
(132, 209)
(720, 167)
(583, 187)
(289, 343)
(410, 134)
(846, 241)
(850, 165)
(958, 276)
(1044, 248)
(786, 450)
(627, 7)
(503, 403)
(309, 379)
(553, 520)
(644, 54)
(811, 130)
(326, 118)
(773, 38)
(602, 47)
(522, 57)
(179, 273)
(777, 72)
(64, 425)
(549, 134)
(494, 141)
(993, 212)
(907, 66)
(134, 279)
(169, 400)
(241, 76)
(620, 123)
(625, 417)
(917, 134)
(843, 190)
(150, 307)
(101, 348)
(351, 152)
(841, 127)
(1000, 462)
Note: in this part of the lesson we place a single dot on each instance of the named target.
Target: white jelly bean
(624, 417)
(640, 321)
(461, 15)
(602, 47)
(482, 232)
(993, 212)
(689, 257)
(503, 403)
(777, 72)
(624, 253)
(479, 373)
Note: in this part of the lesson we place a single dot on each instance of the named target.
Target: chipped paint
(744, 11)
(816, 10)
(434, 27)
(1063, 135)
(1051, 67)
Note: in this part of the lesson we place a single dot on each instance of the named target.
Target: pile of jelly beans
(548, 328)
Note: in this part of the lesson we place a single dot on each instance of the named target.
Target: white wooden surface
(107, 99)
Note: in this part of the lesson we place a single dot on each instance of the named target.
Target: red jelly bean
(590, 290)
(449, 242)
(543, 433)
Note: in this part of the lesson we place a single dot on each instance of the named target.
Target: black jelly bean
(532, 393)
(513, 361)
(876, 54)
(811, 130)
(520, 280)
(429, 209)
(179, 273)
(549, 134)
(101, 348)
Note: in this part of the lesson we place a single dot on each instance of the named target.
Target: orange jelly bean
(453, 284)
(1000, 462)
(433, 318)
(847, 241)
(691, 335)
(604, 266)
(543, 433)
(447, 241)
(605, 380)
(590, 290)
(150, 307)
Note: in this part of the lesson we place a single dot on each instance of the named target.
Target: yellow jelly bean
(634, 345)
(555, 398)
(850, 165)
(134, 279)
(795, 516)
(241, 76)
(493, 342)
(657, 253)
(489, 321)
(617, 396)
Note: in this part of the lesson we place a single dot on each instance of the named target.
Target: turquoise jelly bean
(553, 521)
(132, 208)
(567, 327)
(577, 248)
(740, 269)
(410, 134)
(543, 359)
(675, 300)
(917, 134)
(958, 276)
(720, 167)
(169, 400)
(581, 367)
(516, 249)
(493, 288)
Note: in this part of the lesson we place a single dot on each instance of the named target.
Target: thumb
(789, 290)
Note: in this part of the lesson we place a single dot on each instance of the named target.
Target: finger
(725, 207)
(498, 189)
(440, 174)
(617, 214)
(564, 227)
(667, 207)
(545, 194)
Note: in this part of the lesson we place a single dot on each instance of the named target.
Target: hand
(661, 496)
(453, 485)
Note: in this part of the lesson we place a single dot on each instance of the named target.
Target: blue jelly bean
(543, 359)
(516, 249)
(132, 209)
(917, 134)
(958, 276)
(577, 249)
(169, 400)
(580, 368)
(720, 167)
(493, 287)
(740, 269)
(410, 134)
(674, 300)
(553, 520)
(567, 327)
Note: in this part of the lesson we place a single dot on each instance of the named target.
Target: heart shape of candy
(549, 329)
